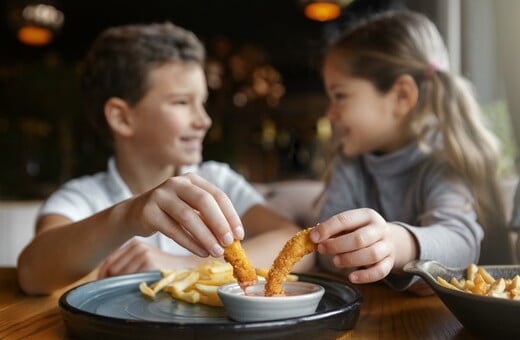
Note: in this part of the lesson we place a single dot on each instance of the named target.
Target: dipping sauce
(258, 293)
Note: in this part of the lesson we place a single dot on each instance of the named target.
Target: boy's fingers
(194, 237)
(224, 204)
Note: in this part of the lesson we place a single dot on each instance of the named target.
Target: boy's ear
(406, 94)
(118, 116)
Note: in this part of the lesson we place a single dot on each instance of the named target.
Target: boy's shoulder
(87, 183)
(209, 169)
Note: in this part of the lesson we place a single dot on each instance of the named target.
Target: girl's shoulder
(436, 167)
(435, 174)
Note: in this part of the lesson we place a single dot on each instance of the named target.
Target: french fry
(497, 289)
(191, 296)
(206, 289)
(445, 283)
(262, 272)
(211, 300)
(486, 276)
(181, 285)
(196, 285)
(170, 277)
(471, 271)
(146, 290)
(457, 283)
(220, 267)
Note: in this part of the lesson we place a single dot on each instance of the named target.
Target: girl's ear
(118, 116)
(406, 94)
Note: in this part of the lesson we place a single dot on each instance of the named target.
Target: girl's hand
(359, 238)
(188, 209)
(136, 257)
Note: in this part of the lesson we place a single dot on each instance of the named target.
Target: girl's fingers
(344, 222)
(373, 273)
(357, 239)
(364, 256)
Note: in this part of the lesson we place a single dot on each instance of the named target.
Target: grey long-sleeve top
(413, 189)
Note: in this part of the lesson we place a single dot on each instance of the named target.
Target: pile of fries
(479, 281)
(197, 285)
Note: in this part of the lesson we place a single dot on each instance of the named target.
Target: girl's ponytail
(471, 149)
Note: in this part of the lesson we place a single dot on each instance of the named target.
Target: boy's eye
(180, 102)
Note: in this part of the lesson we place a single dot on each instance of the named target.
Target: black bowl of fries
(485, 299)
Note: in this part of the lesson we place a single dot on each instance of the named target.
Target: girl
(417, 174)
(145, 88)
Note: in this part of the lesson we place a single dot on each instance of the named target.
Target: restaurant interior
(267, 105)
(263, 76)
(266, 97)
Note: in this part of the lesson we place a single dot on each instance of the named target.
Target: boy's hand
(191, 211)
(136, 257)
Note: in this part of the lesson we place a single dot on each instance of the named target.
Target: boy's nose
(202, 118)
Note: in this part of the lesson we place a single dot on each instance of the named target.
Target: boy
(145, 88)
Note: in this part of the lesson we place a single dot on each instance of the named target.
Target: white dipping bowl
(256, 307)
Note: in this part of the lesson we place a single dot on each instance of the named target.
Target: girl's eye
(339, 96)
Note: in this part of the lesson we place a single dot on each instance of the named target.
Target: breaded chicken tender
(243, 270)
(297, 247)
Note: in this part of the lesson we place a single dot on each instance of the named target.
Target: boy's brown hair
(121, 58)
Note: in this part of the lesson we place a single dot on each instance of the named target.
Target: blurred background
(266, 96)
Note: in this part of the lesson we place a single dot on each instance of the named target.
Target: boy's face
(171, 120)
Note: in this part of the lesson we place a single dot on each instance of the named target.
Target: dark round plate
(115, 308)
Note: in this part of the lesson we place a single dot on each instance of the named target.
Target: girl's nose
(330, 113)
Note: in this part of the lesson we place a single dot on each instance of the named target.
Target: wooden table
(384, 314)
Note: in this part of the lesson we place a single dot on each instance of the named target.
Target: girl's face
(171, 120)
(362, 117)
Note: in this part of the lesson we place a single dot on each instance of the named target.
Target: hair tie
(430, 70)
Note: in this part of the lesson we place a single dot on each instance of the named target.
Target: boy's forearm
(62, 255)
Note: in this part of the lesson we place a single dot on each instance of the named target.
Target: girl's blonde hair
(392, 44)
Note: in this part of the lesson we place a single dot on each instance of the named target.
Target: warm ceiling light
(322, 11)
(34, 35)
(36, 22)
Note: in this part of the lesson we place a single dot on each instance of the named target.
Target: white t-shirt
(82, 197)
